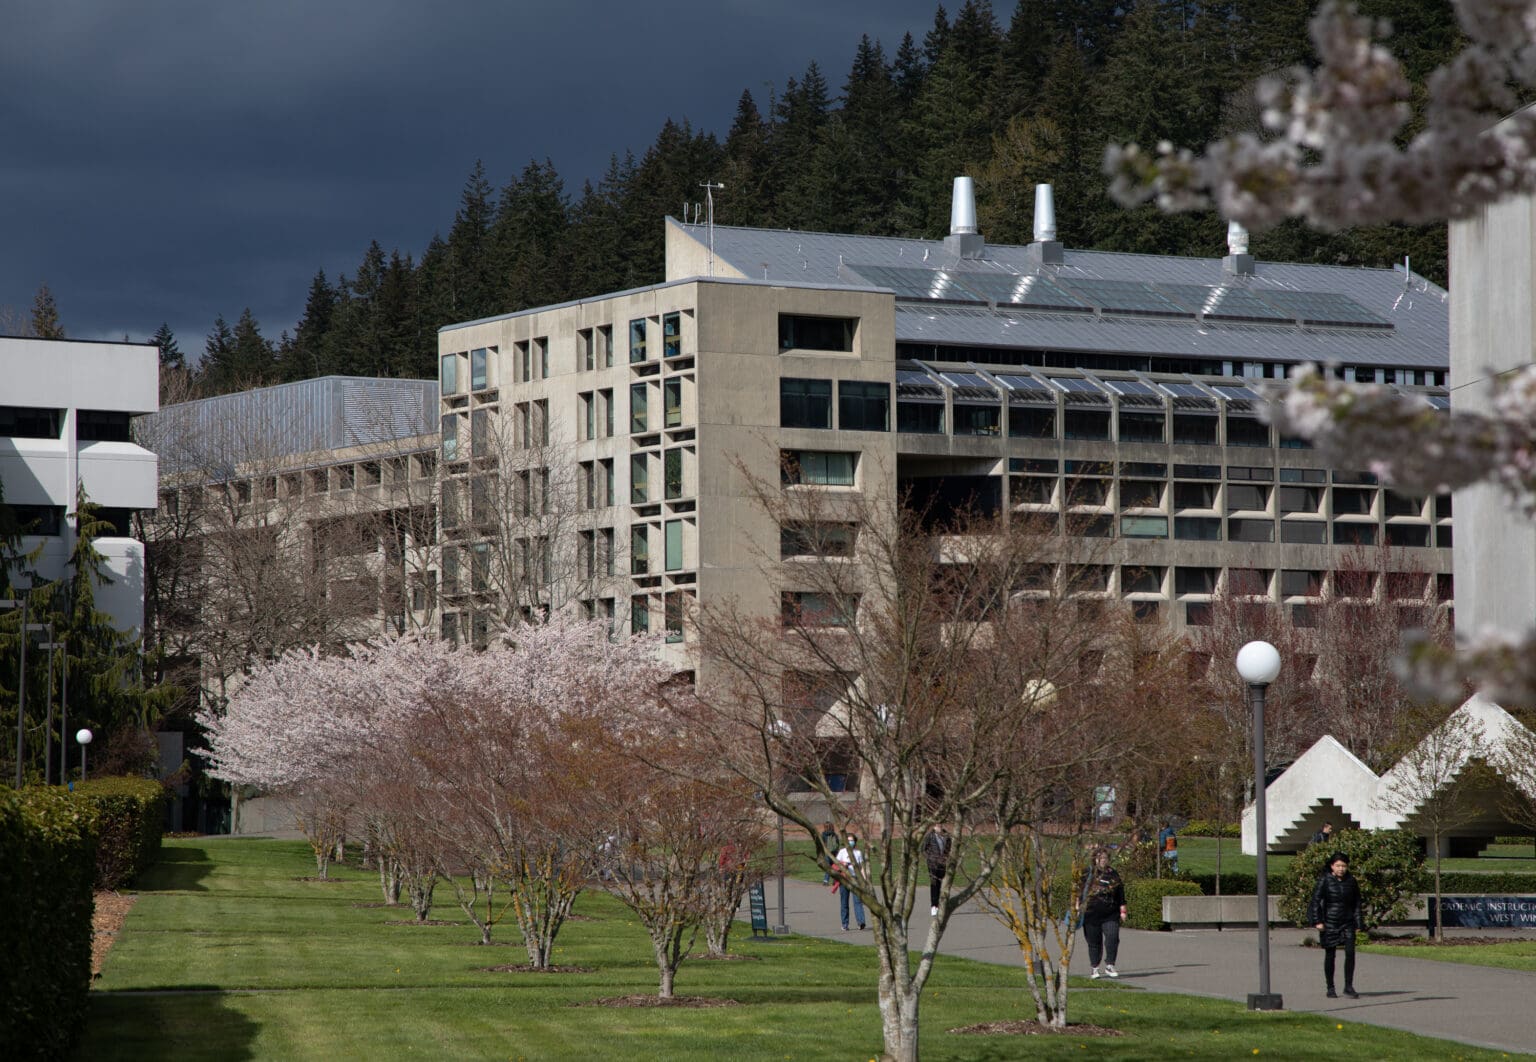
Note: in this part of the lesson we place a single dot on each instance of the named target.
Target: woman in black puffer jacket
(1335, 911)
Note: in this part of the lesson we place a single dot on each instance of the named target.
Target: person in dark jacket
(937, 848)
(1103, 909)
(1335, 911)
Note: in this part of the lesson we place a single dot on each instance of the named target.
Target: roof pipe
(1046, 249)
(963, 240)
(1238, 261)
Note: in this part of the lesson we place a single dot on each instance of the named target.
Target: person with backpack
(1103, 900)
(1336, 912)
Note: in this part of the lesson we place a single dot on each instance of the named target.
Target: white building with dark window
(65, 410)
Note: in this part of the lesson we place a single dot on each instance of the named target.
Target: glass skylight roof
(969, 381)
(1185, 390)
(1125, 296)
(1026, 388)
(1129, 387)
(1007, 289)
(910, 283)
(1235, 394)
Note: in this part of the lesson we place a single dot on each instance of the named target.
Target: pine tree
(171, 357)
(854, 175)
(596, 245)
(528, 237)
(668, 176)
(45, 315)
(800, 119)
(468, 260)
(253, 355)
(308, 354)
(217, 370)
(745, 170)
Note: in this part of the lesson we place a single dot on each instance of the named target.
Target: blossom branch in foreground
(1334, 156)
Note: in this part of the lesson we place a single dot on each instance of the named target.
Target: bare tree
(946, 668)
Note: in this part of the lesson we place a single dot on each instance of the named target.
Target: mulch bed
(526, 968)
(327, 881)
(1449, 942)
(488, 944)
(690, 1002)
(1033, 1028)
(106, 923)
(414, 922)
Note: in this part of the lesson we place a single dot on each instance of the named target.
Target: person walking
(1335, 911)
(850, 864)
(829, 842)
(1103, 910)
(937, 847)
(1324, 835)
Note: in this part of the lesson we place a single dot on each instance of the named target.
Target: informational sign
(1486, 912)
(758, 901)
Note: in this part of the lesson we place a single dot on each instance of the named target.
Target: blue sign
(1486, 912)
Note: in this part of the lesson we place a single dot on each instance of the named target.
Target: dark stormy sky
(171, 160)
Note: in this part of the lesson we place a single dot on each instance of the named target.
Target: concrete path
(1472, 1004)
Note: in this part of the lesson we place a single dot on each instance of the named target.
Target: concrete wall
(1493, 330)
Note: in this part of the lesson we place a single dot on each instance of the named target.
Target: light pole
(84, 737)
(781, 731)
(1258, 663)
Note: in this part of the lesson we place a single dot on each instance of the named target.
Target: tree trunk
(1439, 926)
(898, 1019)
(667, 975)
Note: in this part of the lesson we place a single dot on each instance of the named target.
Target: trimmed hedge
(131, 819)
(49, 843)
(1211, 828)
(1144, 900)
(1235, 882)
(1455, 882)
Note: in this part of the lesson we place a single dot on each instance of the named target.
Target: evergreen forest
(1010, 98)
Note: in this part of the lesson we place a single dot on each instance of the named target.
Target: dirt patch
(690, 1002)
(489, 944)
(106, 923)
(729, 957)
(325, 881)
(581, 918)
(1032, 1028)
(416, 922)
(527, 968)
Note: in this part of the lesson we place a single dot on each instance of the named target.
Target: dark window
(672, 474)
(1445, 588)
(1403, 504)
(1194, 495)
(1197, 471)
(39, 519)
(1407, 535)
(1141, 580)
(1088, 578)
(818, 610)
(1146, 611)
(1246, 431)
(1303, 475)
(1301, 499)
(1443, 536)
(1141, 494)
(977, 419)
(1252, 473)
(1353, 534)
(1142, 427)
(1144, 468)
(1194, 580)
(1303, 616)
(863, 406)
(1087, 492)
(805, 403)
(1243, 497)
(671, 335)
(1244, 530)
(1442, 506)
(1197, 613)
(816, 539)
(1085, 424)
(637, 339)
(920, 418)
(1295, 442)
(1091, 526)
(1194, 430)
(1031, 422)
(1352, 502)
(797, 332)
(1035, 490)
(1300, 582)
(26, 422)
(100, 425)
(672, 402)
(1364, 478)
(1197, 528)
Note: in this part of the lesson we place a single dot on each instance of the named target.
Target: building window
(1193, 430)
(863, 406)
(605, 484)
(587, 484)
(671, 334)
(478, 375)
(1085, 424)
(1301, 499)
(480, 567)
(46, 520)
(1240, 529)
(1141, 494)
(450, 566)
(639, 408)
(1353, 534)
(1304, 532)
(1414, 535)
(920, 418)
(972, 419)
(605, 352)
(799, 332)
(1352, 502)
(637, 340)
(587, 400)
(102, 425)
(1141, 580)
(819, 467)
(1301, 582)
(639, 479)
(805, 403)
(1242, 497)
(450, 428)
(448, 374)
(1197, 613)
(673, 539)
(1402, 504)
(817, 539)
(1031, 422)
(480, 433)
(1188, 580)
(1246, 431)
(639, 550)
(639, 614)
(1141, 427)
(1197, 528)
(1144, 527)
(673, 603)
(672, 474)
(522, 360)
(541, 356)
(799, 609)
(606, 396)
(672, 402)
(1031, 490)
(605, 555)
(586, 350)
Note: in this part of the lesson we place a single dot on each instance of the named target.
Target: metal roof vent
(1046, 248)
(963, 240)
(1238, 261)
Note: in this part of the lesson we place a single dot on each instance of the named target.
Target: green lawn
(1513, 955)
(227, 956)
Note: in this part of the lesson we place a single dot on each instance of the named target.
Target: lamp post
(84, 737)
(1258, 663)
(781, 731)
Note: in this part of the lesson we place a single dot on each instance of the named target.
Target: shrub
(1387, 864)
(1234, 882)
(1144, 900)
(1211, 828)
(131, 819)
(1467, 881)
(45, 891)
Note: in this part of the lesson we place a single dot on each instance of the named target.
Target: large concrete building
(1115, 391)
(65, 409)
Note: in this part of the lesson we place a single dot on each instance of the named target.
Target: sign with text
(758, 901)
(1486, 912)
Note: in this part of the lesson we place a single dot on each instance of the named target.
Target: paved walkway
(1473, 1004)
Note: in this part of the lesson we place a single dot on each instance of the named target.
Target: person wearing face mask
(1335, 911)
(850, 865)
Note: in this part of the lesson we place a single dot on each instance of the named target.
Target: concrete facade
(69, 404)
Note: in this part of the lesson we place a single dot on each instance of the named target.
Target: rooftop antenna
(710, 188)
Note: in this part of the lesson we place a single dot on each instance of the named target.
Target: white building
(65, 409)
